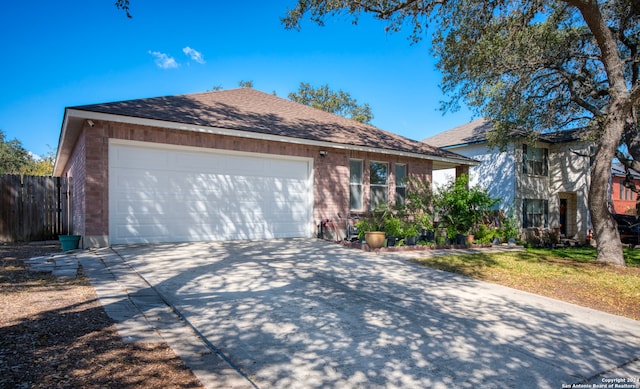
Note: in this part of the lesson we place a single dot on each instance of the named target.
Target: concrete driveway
(306, 313)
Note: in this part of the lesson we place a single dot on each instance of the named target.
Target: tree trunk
(613, 123)
(605, 228)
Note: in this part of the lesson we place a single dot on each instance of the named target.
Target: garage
(166, 193)
(222, 165)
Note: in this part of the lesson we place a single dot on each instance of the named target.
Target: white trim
(361, 209)
(251, 135)
(63, 133)
(208, 150)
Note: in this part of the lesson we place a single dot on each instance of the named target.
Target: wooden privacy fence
(33, 208)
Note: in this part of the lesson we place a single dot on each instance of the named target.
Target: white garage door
(162, 194)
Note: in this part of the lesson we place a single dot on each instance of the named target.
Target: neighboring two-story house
(544, 185)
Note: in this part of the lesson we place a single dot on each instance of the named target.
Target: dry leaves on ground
(55, 334)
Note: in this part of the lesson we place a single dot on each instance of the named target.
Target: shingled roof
(617, 170)
(469, 133)
(252, 111)
(476, 132)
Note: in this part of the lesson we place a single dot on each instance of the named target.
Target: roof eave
(69, 132)
(447, 147)
(74, 113)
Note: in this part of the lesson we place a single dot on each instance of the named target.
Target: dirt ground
(55, 333)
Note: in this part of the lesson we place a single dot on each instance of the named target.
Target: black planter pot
(391, 241)
(428, 235)
(461, 239)
(410, 241)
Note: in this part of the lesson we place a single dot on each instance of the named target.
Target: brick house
(224, 165)
(544, 184)
(623, 200)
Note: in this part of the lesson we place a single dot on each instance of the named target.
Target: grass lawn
(568, 274)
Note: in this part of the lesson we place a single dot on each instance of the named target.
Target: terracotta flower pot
(374, 239)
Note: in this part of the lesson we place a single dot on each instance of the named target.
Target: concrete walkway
(307, 313)
(143, 315)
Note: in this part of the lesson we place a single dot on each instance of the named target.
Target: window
(355, 185)
(621, 191)
(535, 161)
(625, 193)
(379, 183)
(535, 213)
(401, 183)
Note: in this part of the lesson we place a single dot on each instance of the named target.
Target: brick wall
(624, 201)
(97, 185)
(75, 170)
(89, 165)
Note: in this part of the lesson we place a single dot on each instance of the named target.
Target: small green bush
(509, 228)
(409, 230)
(393, 226)
(484, 234)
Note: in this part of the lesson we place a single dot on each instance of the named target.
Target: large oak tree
(535, 65)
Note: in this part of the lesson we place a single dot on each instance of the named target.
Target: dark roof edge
(94, 115)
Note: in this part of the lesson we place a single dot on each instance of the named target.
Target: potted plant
(417, 209)
(372, 231)
(393, 228)
(425, 227)
(410, 233)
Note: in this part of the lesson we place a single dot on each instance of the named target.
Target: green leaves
(460, 207)
(15, 159)
(339, 103)
(532, 63)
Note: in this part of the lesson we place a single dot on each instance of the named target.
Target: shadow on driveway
(308, 313)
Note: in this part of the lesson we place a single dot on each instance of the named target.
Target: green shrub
(484, 234)
(462, 208)
(393, 226)
(363, 226)
(509, 228)
(410, 230)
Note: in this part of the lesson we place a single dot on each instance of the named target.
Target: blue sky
(62, 54)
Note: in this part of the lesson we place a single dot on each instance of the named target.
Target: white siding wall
(500, 173)
(495, 173)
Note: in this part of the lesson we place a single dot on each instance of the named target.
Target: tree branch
(384, 13)
(635, 94)
(579, 154)
(607, 44)
(575, 97)
(628, 182)
(123, 5)
(628, 163)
